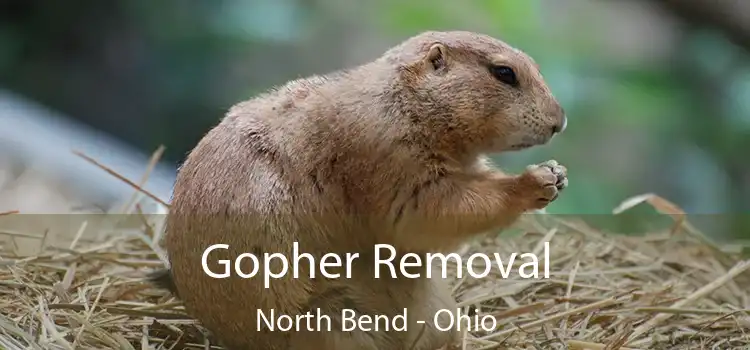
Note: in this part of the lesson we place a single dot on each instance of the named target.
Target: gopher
(394, 152)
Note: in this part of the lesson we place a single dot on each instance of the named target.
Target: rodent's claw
(560, 171)
(545, 181)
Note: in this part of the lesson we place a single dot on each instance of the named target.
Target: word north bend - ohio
(350, 320)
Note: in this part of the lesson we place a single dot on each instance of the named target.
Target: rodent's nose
(560, 127)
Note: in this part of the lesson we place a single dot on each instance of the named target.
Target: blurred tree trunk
(732, 17)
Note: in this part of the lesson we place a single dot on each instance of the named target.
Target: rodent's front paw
(542, 183)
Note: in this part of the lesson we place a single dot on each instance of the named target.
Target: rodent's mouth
(520, 146)
(528, 143)
(522, 142)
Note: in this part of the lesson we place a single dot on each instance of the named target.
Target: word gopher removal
(333, 261)
(392, 153)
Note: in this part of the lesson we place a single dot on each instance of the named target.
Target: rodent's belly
(369, 295)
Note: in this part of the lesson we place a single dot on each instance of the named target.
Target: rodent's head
(489, 94)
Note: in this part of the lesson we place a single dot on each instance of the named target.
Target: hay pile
(663, 291)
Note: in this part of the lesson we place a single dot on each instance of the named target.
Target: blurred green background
(657, 92)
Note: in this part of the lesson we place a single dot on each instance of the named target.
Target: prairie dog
(389, 152)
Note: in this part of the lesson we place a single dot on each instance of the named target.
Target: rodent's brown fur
(392, 152)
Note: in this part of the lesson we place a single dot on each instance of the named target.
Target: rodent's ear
(436, 56)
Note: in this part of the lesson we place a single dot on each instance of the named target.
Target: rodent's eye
(505, 74)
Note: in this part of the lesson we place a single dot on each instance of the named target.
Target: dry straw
(665, 290)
